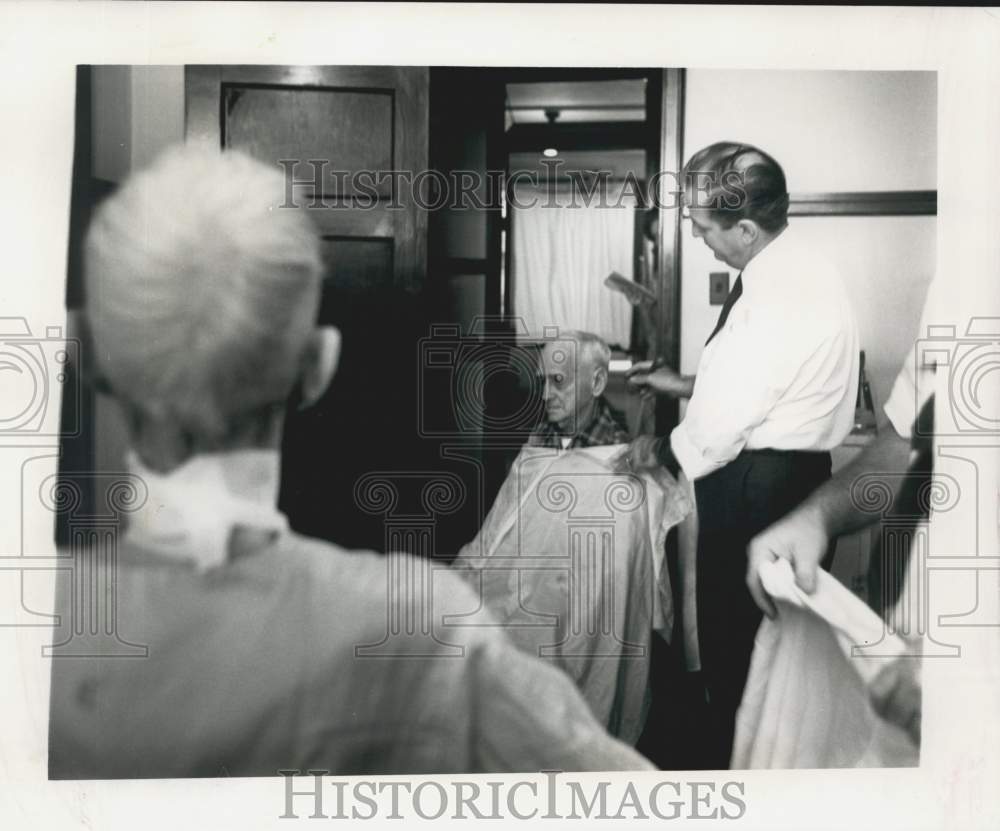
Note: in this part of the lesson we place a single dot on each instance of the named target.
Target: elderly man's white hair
(201, 291)
(592, 351)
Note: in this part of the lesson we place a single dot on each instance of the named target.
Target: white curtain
(561, 256)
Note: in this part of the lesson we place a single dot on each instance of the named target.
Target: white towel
(806, 702)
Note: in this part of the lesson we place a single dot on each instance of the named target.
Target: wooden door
(322, 124)
(330, 120)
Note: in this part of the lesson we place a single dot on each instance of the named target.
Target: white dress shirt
(915, 382)
(782, 372)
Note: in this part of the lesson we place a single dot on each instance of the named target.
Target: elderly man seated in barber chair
(574, 375)
(570, 557)
(264, 650)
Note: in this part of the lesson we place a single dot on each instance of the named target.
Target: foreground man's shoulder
(370, 575)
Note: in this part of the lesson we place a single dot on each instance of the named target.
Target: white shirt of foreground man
(779, 374)
(821, 714)
(264, 650)
(962, 690)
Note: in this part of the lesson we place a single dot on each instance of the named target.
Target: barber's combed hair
(201, 289)
(592, 349)
(742, 182)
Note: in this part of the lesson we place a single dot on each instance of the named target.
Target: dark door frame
(668, 245)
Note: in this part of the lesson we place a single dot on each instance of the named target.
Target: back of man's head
(737, 181)
(201, 291)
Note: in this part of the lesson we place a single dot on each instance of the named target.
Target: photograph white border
(40, 46)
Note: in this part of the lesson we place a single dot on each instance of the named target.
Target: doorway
(618, 122)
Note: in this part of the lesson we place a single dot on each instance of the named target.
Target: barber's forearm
(666, 457)
(685, 388)
(834, 505)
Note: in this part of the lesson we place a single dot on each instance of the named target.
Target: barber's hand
(662, 380)
(638, 457)
(802, 539)
(895, 694)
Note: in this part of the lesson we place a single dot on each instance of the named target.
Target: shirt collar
(761, 263)
(190, 512)
(595, 416)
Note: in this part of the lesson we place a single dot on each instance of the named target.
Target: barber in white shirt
(774, 392)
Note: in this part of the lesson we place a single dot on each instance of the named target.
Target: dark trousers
(736, 503)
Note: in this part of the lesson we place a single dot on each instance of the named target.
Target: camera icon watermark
(972, 361)
(31, 367)
(490, 377)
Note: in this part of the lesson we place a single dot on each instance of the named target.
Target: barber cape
(193, 646)
(569, 561)
(806, 703)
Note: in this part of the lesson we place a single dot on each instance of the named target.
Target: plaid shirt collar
(603, 429)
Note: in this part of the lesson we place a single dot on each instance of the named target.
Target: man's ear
(600, 380)
(749, 230)
(319, 363)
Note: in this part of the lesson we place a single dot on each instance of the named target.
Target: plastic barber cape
(569, 561)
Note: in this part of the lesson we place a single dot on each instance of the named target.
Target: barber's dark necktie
(727, 307)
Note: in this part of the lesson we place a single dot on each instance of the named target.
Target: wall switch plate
(718, 287)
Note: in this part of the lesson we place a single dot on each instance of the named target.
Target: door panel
(353, 129)
(342, 119)
(359, 264)
(348, 119)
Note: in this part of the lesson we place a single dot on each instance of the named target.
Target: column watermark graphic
(941, 579)
(410, 548)
(82, 512)
(595, 582)
(905, 547)
(92, 549)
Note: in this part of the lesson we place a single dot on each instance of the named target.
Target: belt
(774, 451)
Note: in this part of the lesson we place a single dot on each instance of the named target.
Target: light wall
(886, 263)
(138, 111)
(830, 131)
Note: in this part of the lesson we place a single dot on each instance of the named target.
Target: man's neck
(582, 421)
(763, 242)
(163, 446)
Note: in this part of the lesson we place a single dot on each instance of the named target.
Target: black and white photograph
(459, 434)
